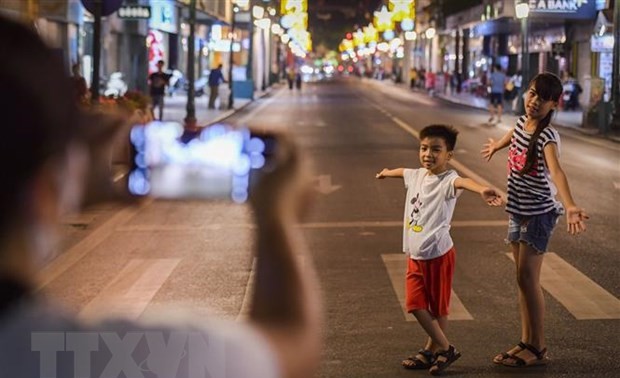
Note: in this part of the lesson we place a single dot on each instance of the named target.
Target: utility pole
(190, 116)
(94, 83)
(250, 67)
(231, 96)
(615, 85)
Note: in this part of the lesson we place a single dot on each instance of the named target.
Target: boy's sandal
(505, 355)
(444, 359)
(421, 361)
(540, 358)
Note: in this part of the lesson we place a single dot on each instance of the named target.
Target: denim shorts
(533, 230)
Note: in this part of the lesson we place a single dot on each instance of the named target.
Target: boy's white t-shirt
(429, 207)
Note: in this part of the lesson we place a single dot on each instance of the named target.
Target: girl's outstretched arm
(575, 216)
(489, 195)
(492, 146)
(398, 172)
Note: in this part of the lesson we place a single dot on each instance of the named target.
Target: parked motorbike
(200, 86)
(115, 86)
(176, 82)
(570, 95)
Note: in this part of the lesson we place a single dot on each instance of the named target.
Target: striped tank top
(534, 192)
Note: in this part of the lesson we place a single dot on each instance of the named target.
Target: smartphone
(218, 162)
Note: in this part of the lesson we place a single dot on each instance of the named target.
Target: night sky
(329, 20)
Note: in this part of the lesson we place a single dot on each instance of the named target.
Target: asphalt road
(352, 129)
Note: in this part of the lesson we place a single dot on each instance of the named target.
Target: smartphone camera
(219, 162)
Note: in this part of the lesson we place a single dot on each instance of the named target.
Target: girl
(534, 179)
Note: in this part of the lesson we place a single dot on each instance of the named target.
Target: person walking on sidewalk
(215, 79)
(158, 81)
(431, 197)
(534, 178)
(497, 82)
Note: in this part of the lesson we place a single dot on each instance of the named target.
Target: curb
(230, 112)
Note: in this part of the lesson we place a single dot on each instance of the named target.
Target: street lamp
(231, 61)
(190, 107)
(522, 10)
(430, 34)
(615, 82)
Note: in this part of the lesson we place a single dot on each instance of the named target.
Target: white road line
(396, 265)
(244, 313)
(581, 296)
(311, 225)
(70, 257)
(369, 224)
(128, 294)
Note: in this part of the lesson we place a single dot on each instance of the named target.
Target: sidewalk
(175, 106)
(568, 120)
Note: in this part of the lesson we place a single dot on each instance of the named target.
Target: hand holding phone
(219, 162)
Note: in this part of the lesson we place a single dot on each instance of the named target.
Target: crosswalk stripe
(128, 294)
(581, 296)
(396, 265)
(69, 258)
(309, 225)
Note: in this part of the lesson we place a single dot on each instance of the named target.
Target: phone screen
(218, 162)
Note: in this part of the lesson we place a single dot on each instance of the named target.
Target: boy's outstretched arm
(489, 195)
(492, 146)
(398, 172)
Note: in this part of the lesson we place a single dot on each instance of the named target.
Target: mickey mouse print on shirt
(415, 214)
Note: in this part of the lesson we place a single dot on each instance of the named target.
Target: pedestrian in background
(290, 77)
(157, 88)
(79, 86)
(497, 83)
(215, 79)
(431, 196)
(413, 76)
(44, 179)
(535, 177)
(298, 79)
(517, 81)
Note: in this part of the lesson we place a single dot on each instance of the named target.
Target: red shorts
(428, 284)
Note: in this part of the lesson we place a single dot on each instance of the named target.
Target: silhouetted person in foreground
(52, 154)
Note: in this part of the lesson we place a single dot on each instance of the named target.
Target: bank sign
(565, 9)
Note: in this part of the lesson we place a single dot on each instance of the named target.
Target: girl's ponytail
(532, 148)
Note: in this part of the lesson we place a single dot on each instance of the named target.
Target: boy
(431, 196)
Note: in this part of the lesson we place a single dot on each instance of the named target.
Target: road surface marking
(67, 259)
(581, 296)
(128, 294)
(396, 265)
(324, 184)
(310, 225)
(244, 313)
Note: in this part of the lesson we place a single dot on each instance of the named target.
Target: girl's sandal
(421, 361)
(505, 355)
(540, 358)
(443, 360)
